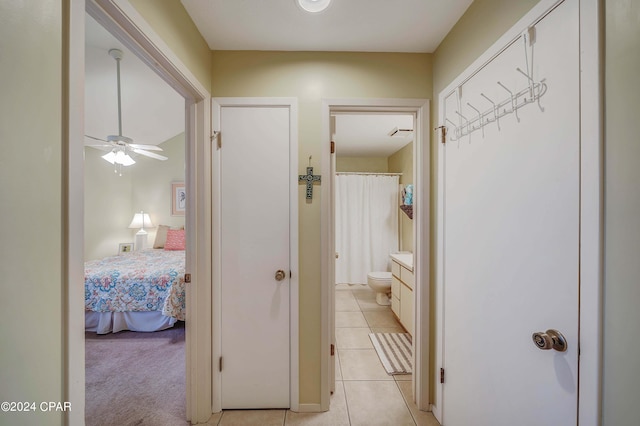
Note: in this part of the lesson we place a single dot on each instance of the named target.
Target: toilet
(380, 282)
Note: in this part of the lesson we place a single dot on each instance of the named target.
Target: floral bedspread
(147, 280)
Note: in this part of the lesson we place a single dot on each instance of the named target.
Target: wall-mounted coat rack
(509, 105)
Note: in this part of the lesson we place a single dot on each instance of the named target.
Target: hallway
(365, 394)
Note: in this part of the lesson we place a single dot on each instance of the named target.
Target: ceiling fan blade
(94, 138)
(101, 147)
(147, 147)
(149, 154)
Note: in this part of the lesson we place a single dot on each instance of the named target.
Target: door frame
(122, 20)
(421, 167)
(591, 202)
(294, 298)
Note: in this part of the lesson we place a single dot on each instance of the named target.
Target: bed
(139, 291)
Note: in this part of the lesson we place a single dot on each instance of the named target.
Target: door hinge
(333, 349)
(442, 375)
(333, 147)
(217, 138)
(187, 278)
(290, 274)
(220, 364)
(443, 134)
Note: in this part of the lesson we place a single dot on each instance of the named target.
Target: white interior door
(255, 244)
(511, 239)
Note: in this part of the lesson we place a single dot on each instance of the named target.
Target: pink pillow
(175, 240)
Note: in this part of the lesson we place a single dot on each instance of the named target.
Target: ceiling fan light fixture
(110, 157)
(124, 159)
(313, 6)
(119, 157)
(121, 144)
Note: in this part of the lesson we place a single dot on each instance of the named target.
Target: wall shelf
(408, 210)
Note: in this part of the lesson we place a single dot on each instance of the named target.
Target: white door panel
(511, 241)
(255, 189)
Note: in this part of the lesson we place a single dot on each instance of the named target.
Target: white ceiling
(367, 135)
(152, 111)
(347, 25)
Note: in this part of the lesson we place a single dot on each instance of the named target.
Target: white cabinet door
(406, 308)
(395, 295)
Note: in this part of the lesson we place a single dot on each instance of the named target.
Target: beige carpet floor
(136, 378)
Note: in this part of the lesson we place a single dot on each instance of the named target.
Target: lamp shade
(141, 220)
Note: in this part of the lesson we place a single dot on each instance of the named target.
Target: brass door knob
(280, 275)
(551, 339)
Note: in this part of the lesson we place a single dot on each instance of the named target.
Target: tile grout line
(370, 330)
(346, 402)
(344, 390)
(406, 403)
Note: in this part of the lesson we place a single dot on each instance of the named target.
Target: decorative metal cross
(309, 179)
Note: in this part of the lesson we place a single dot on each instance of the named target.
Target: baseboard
(309, 408)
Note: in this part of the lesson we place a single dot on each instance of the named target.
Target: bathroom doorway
(374, 167)
(375, 142)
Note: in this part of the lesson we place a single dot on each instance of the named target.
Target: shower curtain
(366, 225)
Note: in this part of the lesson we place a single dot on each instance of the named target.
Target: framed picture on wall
(178, 199)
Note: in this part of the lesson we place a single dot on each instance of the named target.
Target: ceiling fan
(120, 146)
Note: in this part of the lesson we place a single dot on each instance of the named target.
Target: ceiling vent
(400, 133)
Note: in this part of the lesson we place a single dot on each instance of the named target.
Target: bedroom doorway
(126, 23)
(148, 315)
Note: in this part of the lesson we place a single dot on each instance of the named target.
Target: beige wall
(310, 77)
(111, 200)
(362, 164)
(402, 162)
(621, 373)
(172, 23)
(107, 206)
(32, 284)
(151, 188)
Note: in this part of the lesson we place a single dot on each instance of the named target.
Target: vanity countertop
(404, 259)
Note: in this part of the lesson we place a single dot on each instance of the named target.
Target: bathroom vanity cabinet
(402, 282)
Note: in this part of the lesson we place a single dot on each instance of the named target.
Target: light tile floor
(365, 394)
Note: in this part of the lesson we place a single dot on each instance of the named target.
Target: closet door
(255, 256)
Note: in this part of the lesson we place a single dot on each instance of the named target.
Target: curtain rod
(368, 173)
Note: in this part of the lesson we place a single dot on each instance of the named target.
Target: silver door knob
(550, 339)
(280, 275)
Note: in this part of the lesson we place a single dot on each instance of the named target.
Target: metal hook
(465, 119)
(495, 109)
(531, 82)
(479, 117)
(542, 87)
(514, 107)
(524, 73)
